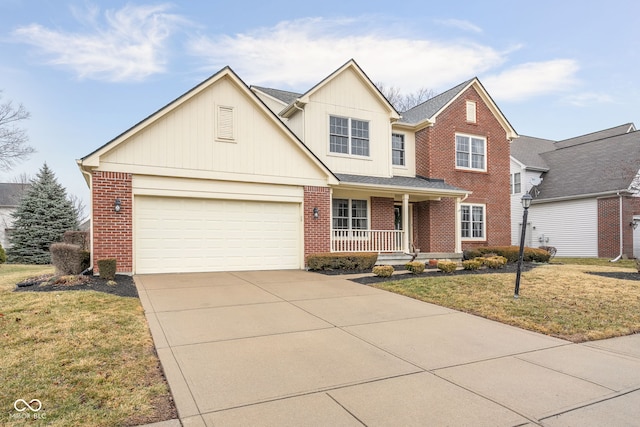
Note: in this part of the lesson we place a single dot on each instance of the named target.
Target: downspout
(616, 259)
(458, 238)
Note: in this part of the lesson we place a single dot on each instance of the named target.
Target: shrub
(511, 253)
(80, 238)
(471, 264)
(495, 261)
(416, 267)
(66, 258)
(85, 260)
(360, 261)
(383, 270)
(447, 266)
(107, 268)
(3, 255)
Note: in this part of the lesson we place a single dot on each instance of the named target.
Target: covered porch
(385, 215)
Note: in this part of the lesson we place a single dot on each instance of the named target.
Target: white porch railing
(366, 240)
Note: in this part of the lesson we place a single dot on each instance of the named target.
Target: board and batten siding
(187, 142)
(348, 96)
(571, 226)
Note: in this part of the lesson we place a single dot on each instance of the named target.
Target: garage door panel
(174, 235)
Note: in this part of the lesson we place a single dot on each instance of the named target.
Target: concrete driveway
(293, 348)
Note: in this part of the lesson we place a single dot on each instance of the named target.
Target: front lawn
(86, 356)
(575, 302)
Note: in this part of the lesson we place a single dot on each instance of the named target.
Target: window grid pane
(359, 138)
(470, 152)
(517, 187)
(340, 214)
(397, 149)
(359, 214)
(338, 135)
(466, 221)
(462, 151)
(472, 221)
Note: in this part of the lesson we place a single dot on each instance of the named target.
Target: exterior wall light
(316, 213)
(117, 205)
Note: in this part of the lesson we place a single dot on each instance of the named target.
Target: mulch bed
(616, 275)
(124, 287)
(399, 275)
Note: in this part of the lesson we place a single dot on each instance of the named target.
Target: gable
(222, 131)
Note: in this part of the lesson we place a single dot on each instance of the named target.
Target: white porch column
(405, 223)
(458, 226)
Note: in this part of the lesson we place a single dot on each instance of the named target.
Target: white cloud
(129, 45)
(588, 98)
(533, 79)
(461, 25)
(297, 54)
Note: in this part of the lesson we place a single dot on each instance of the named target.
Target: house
(232, 177)
(10, 197)
(584, 192)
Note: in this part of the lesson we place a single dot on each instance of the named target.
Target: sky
(89, 70)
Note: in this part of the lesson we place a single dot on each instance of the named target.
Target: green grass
(559, 300)
(87, 356)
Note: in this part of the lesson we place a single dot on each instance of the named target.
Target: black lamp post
(526, 202)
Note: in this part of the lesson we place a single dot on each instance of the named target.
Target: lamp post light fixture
(526, 202)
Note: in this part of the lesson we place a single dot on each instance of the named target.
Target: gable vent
(226, 123)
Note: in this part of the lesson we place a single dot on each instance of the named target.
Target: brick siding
(609, 226)
(382, 213)
(317, 232)
(435, 158)
(112, 231)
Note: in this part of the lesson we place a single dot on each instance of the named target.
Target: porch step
(400, 258)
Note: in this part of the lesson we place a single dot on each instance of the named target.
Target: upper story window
(397, 149)
(471, 112)
(471, 152)
(516, 186)
(348, 136)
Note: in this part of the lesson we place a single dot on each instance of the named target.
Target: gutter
(579, 196)
(616, 259)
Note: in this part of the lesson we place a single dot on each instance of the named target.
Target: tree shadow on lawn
(616, 275)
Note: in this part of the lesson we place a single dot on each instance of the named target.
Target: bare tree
(78, 207)
(402, 102)
(13, 139)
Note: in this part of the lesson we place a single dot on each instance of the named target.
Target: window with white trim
(350, 214)
(397, 149)
(471, 112)
(516, 185)
(471, 152)
(472, 222)
(348, 136)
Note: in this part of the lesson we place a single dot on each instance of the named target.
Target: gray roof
(527, 150)
(431, 106)
(282, 95)
(600, 166)
(400, 181)
(11, 194)
(606, 133)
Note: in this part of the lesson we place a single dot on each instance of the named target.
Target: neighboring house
(10, 197)
(229, 177)
(584, 192)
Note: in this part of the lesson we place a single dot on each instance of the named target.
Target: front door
(397, 212)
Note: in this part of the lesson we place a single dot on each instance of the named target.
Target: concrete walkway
(293, 348)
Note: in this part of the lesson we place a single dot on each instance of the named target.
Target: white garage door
(191, 235)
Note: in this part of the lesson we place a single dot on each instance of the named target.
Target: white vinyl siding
(197, 235)
(570, 226)
(471, 152)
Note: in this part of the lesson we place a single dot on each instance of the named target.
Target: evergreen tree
(43, 216)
